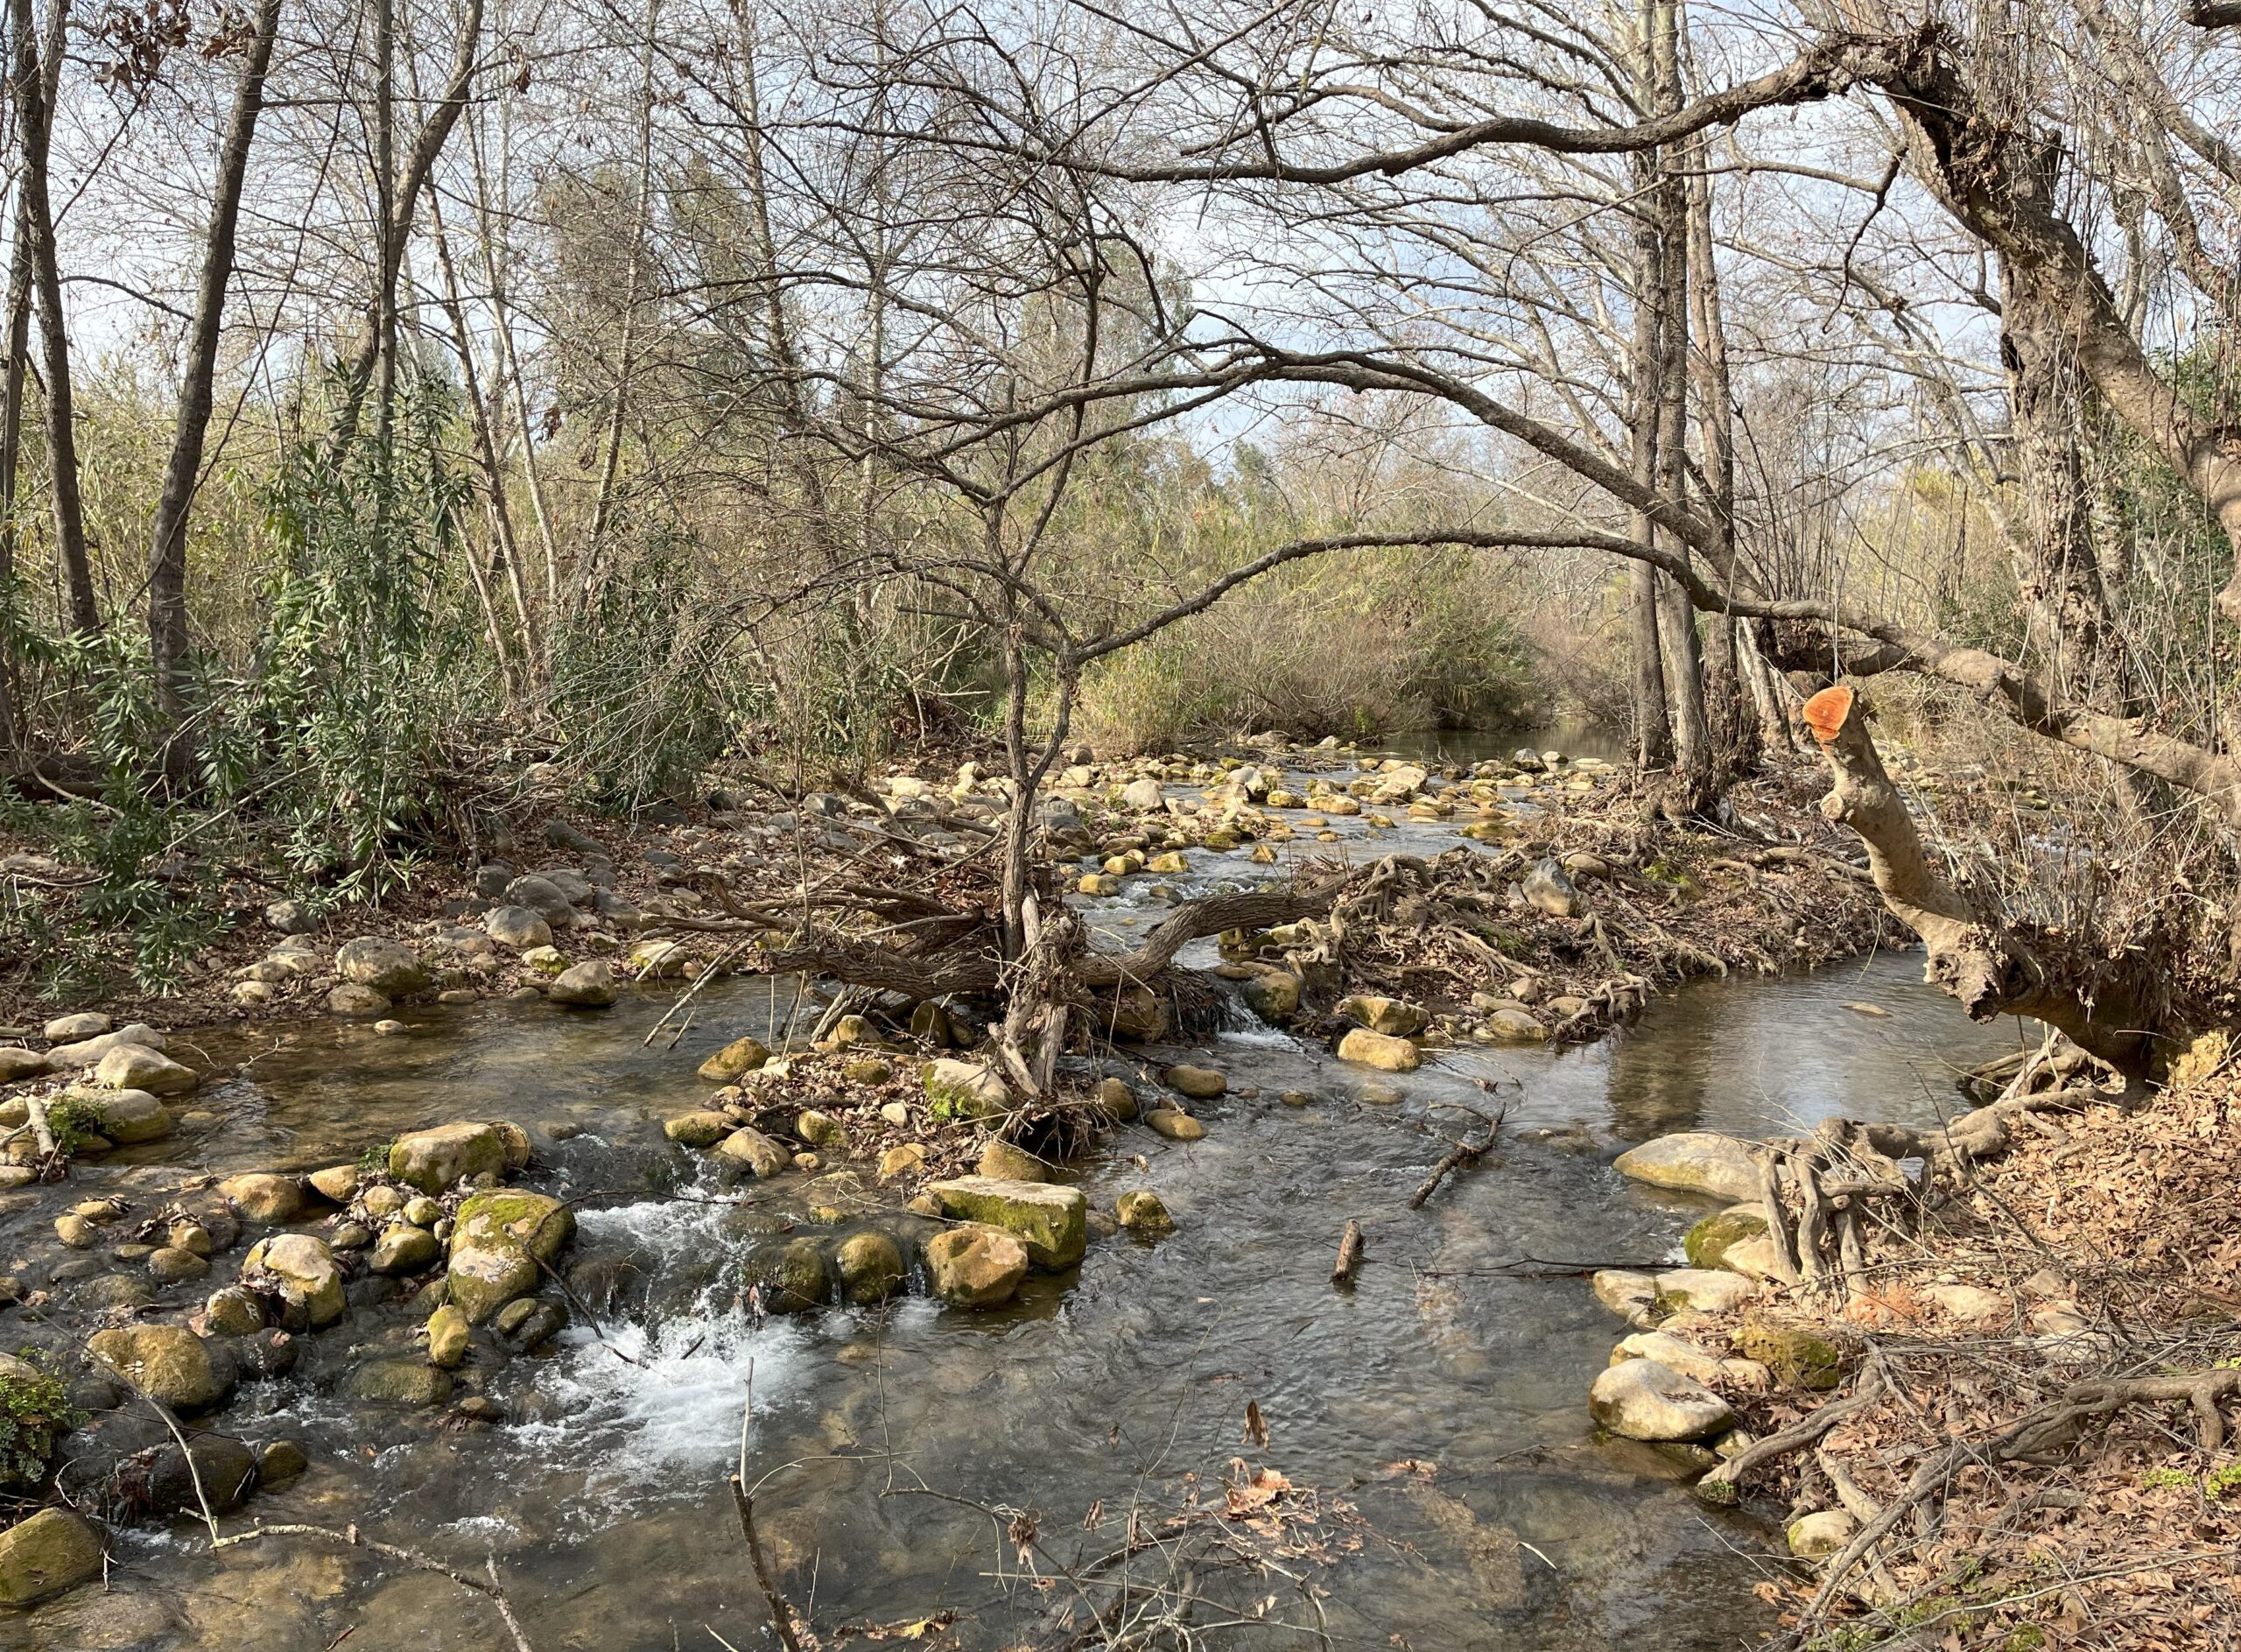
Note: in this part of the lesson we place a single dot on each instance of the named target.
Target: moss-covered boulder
(701, 1129)
(871, 1268)
(736, 1059)
(53, 1551)
(400, 1383)
(965, 1090)
(1706, 1244)
(170, 1363)
(498, 1238)
(1002, 1162)
(1144, 1213)
(1052, 1222)
(787, 1274)
(1799, 1357)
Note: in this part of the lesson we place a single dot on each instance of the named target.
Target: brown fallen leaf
(1256, 1426)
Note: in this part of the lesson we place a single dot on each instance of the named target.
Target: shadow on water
(1442, 1402)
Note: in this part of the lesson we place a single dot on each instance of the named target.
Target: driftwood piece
(1350, 1255)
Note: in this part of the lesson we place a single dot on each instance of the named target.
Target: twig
(1461, 1153)
(781, 1615)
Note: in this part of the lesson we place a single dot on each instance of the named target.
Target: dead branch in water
(1350, 1255)
(1461, 1153)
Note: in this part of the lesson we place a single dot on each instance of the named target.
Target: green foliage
(643, 687)
(2155, 1478)
(375, 1160)
(316, 757)
(75, 1120)
(2219, 1481)
(35, 1414)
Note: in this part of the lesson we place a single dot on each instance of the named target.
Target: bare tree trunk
(375, 355)
(34, 77)
(167, 615)
(494, 481)
(1734, 728)
(2113, 1011)
(1665, 248)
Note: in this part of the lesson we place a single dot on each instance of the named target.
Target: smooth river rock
(1694, 1162)
(1380, 1051)
(975, 1266)
(1643, 1400)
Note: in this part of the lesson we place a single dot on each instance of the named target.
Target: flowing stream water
(1438, 1408)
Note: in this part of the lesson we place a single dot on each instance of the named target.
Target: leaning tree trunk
(2113, 1011)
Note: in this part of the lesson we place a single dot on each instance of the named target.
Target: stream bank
(1441, 1483)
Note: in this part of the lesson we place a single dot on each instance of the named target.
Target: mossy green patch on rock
(1052, 1222)
(1706, 1243)
(1799, 1358)
(499, 1237)
(53, 1551)
(789, 1275)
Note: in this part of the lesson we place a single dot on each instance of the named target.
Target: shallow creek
(604, 1502)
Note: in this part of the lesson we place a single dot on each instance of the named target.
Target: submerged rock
(1050, 1221)
(975, 1266)
(1694, 1162)
(1642, 1399)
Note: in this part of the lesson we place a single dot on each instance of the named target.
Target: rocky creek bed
(617, 1239)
